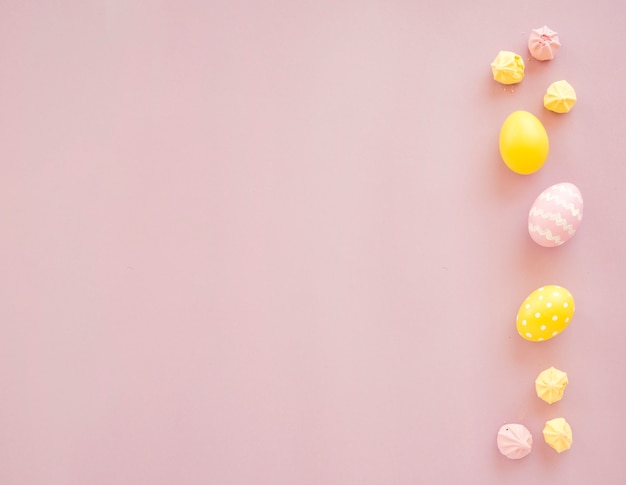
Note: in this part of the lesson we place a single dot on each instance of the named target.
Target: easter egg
(545, 313)
(523, 143)
(555, 215)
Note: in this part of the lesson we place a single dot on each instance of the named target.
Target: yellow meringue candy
(550, 385)
(558, 434)
(508, 68)
(560, 97)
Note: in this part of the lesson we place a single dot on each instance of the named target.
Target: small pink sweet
(543, 43)
(514, 441)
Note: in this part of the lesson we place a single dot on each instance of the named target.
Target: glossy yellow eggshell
(545, 313)
(523, 143)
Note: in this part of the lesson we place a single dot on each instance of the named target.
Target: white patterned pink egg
(555, 215)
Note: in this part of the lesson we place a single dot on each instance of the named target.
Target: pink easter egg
(555, 215)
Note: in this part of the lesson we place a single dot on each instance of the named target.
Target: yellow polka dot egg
(545, 313)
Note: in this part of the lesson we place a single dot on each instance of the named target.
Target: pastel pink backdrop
(272, 242)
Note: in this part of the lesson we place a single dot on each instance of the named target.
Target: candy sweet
(550, 385)
(543, 43)
(508, 68)
(514, 441)
(560, 97)
(558, 434)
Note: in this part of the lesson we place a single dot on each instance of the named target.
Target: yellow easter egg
(545, 313)
(523, 143)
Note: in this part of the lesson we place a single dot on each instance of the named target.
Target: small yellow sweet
(508, 68)
(558, 434)
(560, 97)
(550, 385)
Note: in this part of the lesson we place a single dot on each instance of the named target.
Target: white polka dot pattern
(545, 313)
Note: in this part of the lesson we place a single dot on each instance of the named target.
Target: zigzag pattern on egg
(571, 189)
(555, 215)
(533, 229)
(563, 203)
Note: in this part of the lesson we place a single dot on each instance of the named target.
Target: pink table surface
(274, 243)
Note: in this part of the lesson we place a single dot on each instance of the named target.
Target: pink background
(272, 242)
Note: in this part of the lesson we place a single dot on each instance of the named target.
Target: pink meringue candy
(514, 441)
(543, 43)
